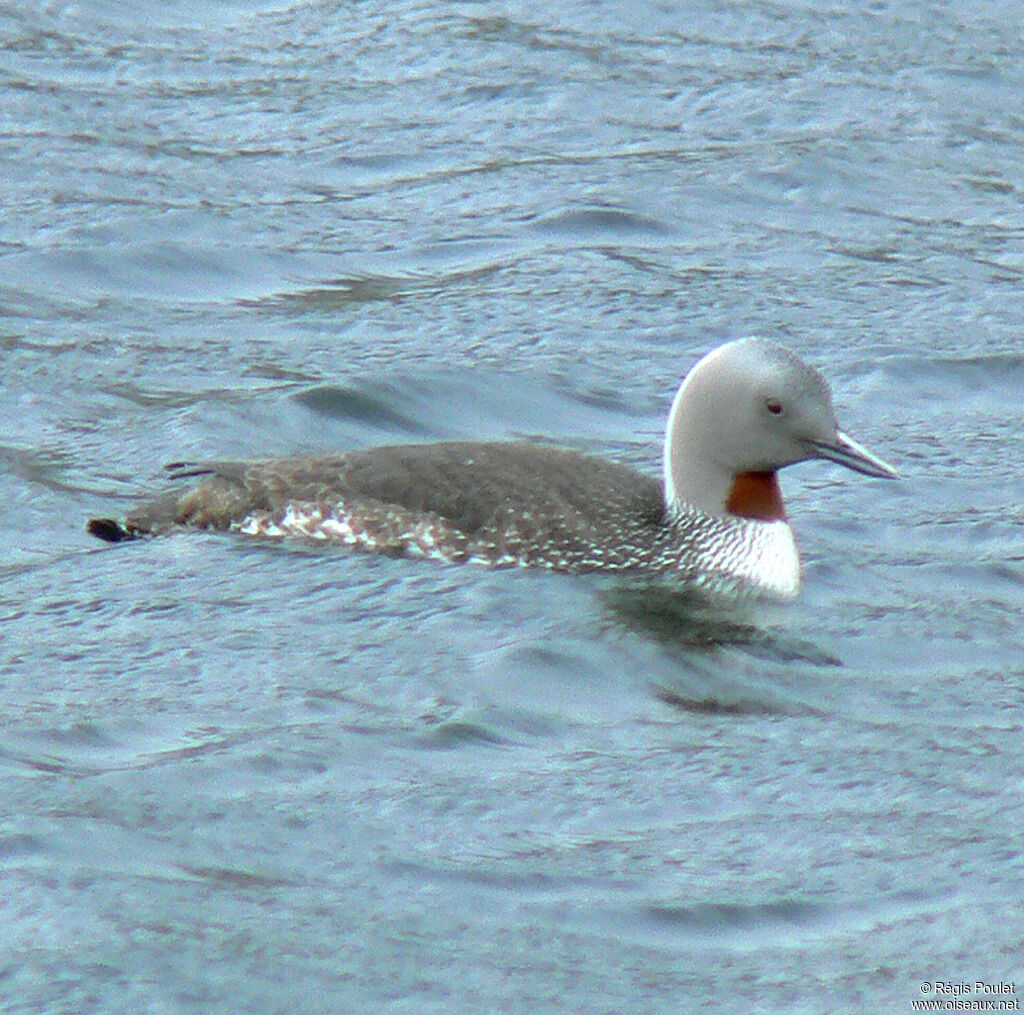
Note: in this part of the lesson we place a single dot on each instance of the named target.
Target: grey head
(746, 410)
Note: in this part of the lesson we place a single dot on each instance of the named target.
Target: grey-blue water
(240, 777)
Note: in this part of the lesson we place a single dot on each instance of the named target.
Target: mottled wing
(486, 489)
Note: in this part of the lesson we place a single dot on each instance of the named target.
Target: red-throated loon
(746, 410)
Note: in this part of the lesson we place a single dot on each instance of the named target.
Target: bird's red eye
(774, 406)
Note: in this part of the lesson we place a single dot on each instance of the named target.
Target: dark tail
(109, 530)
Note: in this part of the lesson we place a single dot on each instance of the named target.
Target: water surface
(244, 777)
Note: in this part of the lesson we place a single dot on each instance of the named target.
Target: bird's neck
(693, 476)
(756, 495)
(693, 479)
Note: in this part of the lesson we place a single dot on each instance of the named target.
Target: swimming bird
(716, 521)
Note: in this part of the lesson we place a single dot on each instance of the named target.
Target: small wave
(786, 920)
(602, 223)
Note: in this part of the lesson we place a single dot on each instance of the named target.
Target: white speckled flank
(724, 555)
(389, 532)
(717, 522)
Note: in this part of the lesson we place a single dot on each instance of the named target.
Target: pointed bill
(844, 450)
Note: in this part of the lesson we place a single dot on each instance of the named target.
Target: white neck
(691, 477)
